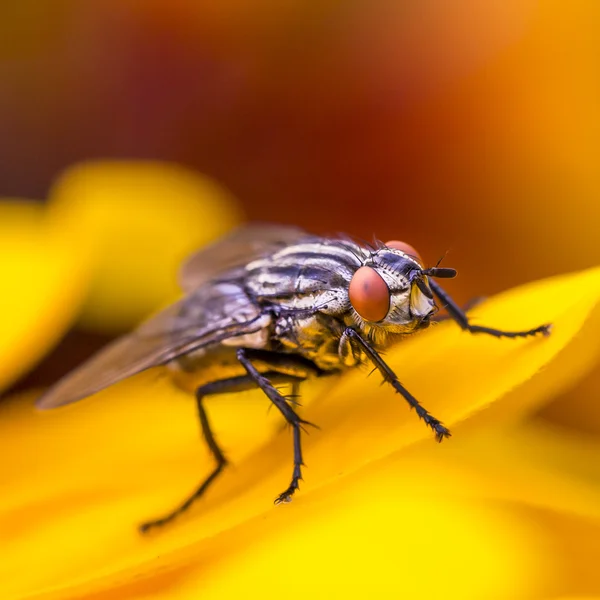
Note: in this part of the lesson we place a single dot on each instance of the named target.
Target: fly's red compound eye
(406, 248)
(369, 294)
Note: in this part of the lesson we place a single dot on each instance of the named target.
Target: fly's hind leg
(245, 357)
(224, 386)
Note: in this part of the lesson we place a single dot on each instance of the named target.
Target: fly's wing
(212, 314)
(179, 329)
(238, 248)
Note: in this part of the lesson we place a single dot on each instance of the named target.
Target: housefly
(268, 305)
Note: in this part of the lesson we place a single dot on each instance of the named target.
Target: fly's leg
(295, 392)
(438, 428)
(266, 385)
(224, 386)
(470, 305)
(458, 315)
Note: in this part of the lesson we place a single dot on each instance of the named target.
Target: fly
(268, 305)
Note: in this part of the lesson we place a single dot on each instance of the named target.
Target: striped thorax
(318, 287)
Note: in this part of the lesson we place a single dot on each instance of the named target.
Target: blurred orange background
(469, 127)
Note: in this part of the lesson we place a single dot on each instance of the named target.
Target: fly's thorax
(308, 277)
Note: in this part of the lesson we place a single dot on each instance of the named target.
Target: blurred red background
(464, 126)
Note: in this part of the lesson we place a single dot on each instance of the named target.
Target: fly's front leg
(458, 315)
(438, 428)
(224, 386)
(262, 381)
(470, 305)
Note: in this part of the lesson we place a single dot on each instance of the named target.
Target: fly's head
(390, 293)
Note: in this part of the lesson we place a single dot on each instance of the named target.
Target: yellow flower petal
(42, 284)
(83, 477)
(138, 220)
(578, 407)
(547, 477)
(585, 597)
(381, 529)
(382, 534)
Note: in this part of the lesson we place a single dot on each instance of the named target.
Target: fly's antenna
(440, 272)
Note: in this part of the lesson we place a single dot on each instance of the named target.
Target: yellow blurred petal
(549, 477)
(534, 465)
(569, 597)
(138, 220)
(575, 542)
(81, 478)
(42, 284)
(380, 534)
(382, 529)
(578, 407)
